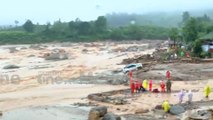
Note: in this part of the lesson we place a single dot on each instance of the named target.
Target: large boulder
(111, 116)
(200, 115)
(101, 109)
(94, 115)
(97, 112)
(11, 67)
(176, 109)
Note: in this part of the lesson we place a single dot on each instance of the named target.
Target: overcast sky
(43, 11)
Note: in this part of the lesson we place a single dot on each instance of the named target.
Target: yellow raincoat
(145, 84)
(166, 106)
(207, 90)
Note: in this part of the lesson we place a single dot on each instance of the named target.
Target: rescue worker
(130, 82)
(145, 84)
(150, 85)
(168, 74)
(182, 54)
(181, 95)
(142, 89)
(130, 74)
(207, 90)
(166, 106)
(163, 86)
(168, 86)
(137, 86)
(187, 54)
(132, 87)
(190, 95)
(140, 85)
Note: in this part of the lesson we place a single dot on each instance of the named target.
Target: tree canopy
(126, 28)
(28, 26)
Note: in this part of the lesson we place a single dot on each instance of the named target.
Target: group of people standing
(183, 93)
(145, 85)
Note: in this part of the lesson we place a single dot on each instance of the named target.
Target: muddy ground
(84, 69)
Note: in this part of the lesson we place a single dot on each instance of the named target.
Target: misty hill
(162, 19)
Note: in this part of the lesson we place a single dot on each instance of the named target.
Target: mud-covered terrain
(64, 74)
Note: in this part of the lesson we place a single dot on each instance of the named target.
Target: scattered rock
(158, 107)
(97, 112)
(141, 111)
(23, 48)
(119, 101)
(85, 104)
(102, 49)
(56, 56)
(176, 110)
(85, 50)
(111, 116)
(132, 49)
(200, 115)
(40, 66)
(31, 56)
(202, 112)
(124, 110)
(92, 45)
(12, 49)
(57, 50)
(11, 67)
(94, 115)
(66, 44)
(87, 45)
(96, 97)
(117, 71)
(37, 47)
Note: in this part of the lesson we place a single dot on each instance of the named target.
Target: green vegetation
(134, 32)
(194, 30)
(187, 29)
(78, 30)
(28, 26)
(17, 37)
(197, 48)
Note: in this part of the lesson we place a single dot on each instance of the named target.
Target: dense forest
(162, 19)
(184, 26)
